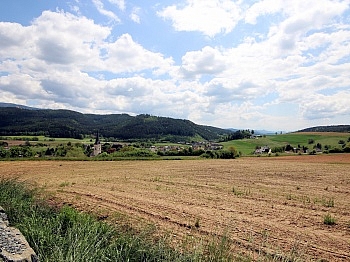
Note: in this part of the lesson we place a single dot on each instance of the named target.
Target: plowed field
(264, 205)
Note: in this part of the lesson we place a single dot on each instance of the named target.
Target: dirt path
(273, 205)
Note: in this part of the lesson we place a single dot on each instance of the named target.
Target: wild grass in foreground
(67, 235)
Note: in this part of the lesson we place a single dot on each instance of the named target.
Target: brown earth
(273, 205)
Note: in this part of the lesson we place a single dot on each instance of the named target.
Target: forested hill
(66, 123)
(338, 128)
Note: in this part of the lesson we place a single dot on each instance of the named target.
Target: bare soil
(265, 205)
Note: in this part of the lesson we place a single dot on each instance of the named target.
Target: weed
(328, 219)
(238, 192)
(306, 200)
(64, 184)
(328, 202)
(155, 179)
(67, 235)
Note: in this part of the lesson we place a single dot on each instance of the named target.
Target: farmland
(275, 205)
(247, 146)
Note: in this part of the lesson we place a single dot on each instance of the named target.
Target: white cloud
(119, 3)
(293, 71)
(22, 85)
(210, 17)
(101, 9)
(49, 59)
(135, 15)
(125, 55)
(208, 61)
(326, 107)
(265, 7)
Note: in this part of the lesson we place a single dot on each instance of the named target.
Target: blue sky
(268, 64)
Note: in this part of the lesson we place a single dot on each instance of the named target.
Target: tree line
(71, 124)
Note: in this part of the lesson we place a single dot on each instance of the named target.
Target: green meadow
(247, 146)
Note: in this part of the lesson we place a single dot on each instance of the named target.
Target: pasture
(263, 207)
(247, 146)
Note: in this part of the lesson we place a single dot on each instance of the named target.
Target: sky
(280, 65)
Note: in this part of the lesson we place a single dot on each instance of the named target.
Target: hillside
(18, 106)
(66, 123)
(336, 128)
(327, 141)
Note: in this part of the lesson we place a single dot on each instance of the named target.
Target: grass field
(247, 146)
(285, 208)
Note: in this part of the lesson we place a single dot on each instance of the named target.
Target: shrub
(336, 150)
(278, 149)
(341, 142)
(310, 141)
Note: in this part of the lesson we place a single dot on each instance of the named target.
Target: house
(263, 149)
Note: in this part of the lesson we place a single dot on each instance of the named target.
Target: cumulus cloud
(208, 61)
(261, 8)
(209, 17)
(296, 67)
(53, 57)
(326, 107)
(125, 55)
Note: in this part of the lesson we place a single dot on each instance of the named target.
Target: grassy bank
(67, 235)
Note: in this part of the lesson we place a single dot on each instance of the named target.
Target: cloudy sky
(268, 64)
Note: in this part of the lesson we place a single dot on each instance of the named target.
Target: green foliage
(184, 152)
(65, 123)
(75, 152)
(67, 235)
(221, 154)
(277, 143)
(20, 151)
(341, 142)
(310, 141)
(335, 128)
(239, 134)
(132, 152)
(328, 219)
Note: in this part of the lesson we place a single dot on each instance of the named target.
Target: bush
(335, 150)
(329, 220)
(278, 149)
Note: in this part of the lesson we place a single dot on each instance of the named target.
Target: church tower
(97, 146)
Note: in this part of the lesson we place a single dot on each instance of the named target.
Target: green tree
(4, 153)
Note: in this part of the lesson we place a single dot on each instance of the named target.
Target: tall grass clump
(64, 234)
(328, 219)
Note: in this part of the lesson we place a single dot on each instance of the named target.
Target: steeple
(97, 146)
(97, 141)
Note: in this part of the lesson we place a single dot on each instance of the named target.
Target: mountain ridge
(16, 120)
(329, 128)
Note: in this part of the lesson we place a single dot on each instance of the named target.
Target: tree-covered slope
(66, 123)
(335, 128)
